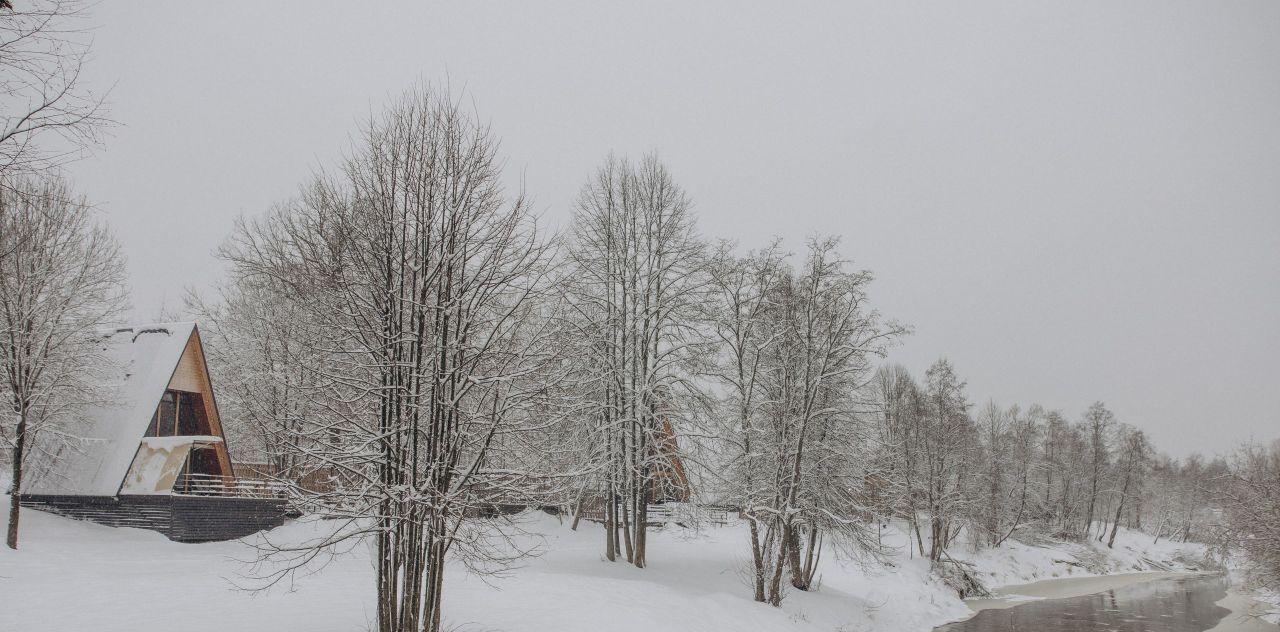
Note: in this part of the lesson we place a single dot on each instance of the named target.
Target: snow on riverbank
(1064, 588)
(1253, 609)
(76, 575)
(1018, 563)
(1250, 612)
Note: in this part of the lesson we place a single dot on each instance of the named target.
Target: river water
(1183, 604)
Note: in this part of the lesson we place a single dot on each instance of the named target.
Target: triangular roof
(142, 360)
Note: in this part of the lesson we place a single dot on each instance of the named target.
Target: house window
(179, 414)
(190, 412)
(166, 415)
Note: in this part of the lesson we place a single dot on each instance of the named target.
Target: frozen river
(1182, 604)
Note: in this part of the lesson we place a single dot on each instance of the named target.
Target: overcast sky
(1072, 203)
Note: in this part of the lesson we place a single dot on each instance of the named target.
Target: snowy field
(72, 575)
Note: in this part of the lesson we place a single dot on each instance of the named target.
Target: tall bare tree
(902, 404)
(1133, 454)
(61, 277)
(805, 358)
(947, 448)
(1098, 422)
(1052, 447)
(423, 280)
(636, 289)
(1024, 434)
(993, 423)
(739, 321)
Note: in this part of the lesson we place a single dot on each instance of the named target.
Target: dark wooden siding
(180, 518)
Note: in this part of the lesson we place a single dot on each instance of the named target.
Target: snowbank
(1015, 563)
(1250, 611)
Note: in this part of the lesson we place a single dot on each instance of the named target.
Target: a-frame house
(153, 454)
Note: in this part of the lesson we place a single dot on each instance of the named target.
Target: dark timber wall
(180, 518)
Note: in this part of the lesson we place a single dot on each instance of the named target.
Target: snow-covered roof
(143, 359)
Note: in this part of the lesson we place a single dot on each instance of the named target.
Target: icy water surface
(1184, 604)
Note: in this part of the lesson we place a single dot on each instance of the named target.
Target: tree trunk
(611, 524)
(626, 532)
(915, 524)
(812, 556)
(757, 559)
(775, 582)
(642, 518)
(793, 559)
(936, 543)
(1119, 508)
(15, 489)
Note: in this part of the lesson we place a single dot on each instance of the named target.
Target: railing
(684, 514)
(226, 486)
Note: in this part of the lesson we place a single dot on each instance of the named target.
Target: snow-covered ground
(1019, 563)
(1270, 602)
(71, 575)
(1250, 611)
(1254, 609)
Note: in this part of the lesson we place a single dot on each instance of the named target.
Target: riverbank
(1064, 588)
(1251, 610)
(1146, 604)
(1248, 614)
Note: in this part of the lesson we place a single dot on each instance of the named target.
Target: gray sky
(1072, 203)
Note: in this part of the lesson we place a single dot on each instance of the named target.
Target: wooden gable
(192, 376)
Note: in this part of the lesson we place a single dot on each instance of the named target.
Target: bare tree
(43, 51)
(902, 404)
(815, 447)
(1010, 438)
(1098, 421)
(1025, 430)
(745, 288)
(993, 423)
(1053, 445)
(61, 276)
(1134, 452)
(1250, 495)
(423, 281)
(637, 284)
(947, 447)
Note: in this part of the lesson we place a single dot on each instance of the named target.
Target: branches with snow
(61, 277)
(43, 51)
(417, 282)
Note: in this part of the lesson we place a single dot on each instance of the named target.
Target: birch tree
(61, 277)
